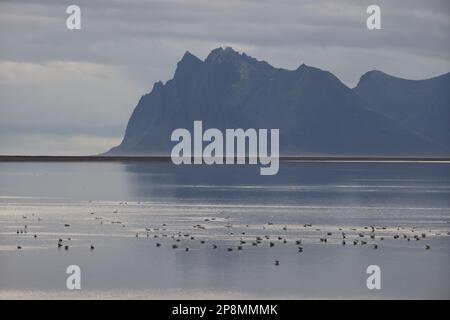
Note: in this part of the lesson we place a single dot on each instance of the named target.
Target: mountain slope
(315, 112)
(422, 106)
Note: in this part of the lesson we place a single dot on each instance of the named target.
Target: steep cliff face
(315, 112)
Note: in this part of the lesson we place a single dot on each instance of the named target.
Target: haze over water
(108, 204)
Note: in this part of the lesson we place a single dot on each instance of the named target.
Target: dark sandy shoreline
(13, 158)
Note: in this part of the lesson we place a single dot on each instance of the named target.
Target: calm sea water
(125, 209)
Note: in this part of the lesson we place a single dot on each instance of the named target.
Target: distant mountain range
(316, 113)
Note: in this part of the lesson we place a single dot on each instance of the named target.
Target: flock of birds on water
(371, 236)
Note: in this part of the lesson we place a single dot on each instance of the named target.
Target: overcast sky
(72, 91)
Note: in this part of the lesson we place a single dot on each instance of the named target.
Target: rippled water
(125, 209)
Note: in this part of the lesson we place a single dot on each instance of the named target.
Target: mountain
(422, 106)
(315, 112)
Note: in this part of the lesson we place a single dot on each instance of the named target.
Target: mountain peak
(242, 61)
(189, 58)
(220, 55)
(382, 76)
(188, 64)
(373, 75)
(305, 68)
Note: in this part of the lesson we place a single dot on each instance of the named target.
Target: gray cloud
(61, 82)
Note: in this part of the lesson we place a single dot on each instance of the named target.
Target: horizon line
(146, 158)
